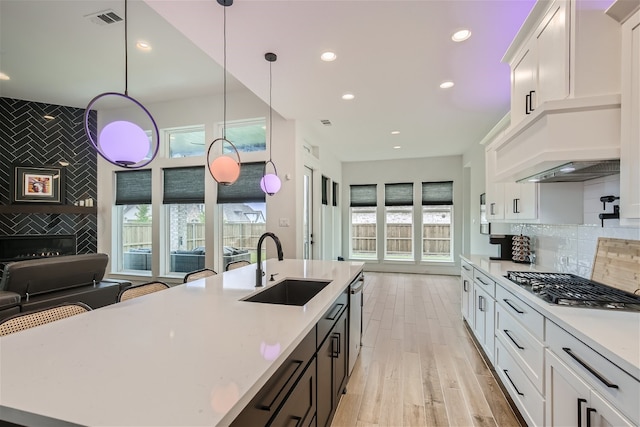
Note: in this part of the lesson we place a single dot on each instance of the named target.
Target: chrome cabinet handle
(511, 381)
(465, 285)
(593, 372)
(481, 306)
(492, 210)
(508, 333)
(482, 281)
(516, 207)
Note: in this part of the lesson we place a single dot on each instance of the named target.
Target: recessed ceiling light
(348, 96)
(446, 85)
(49, 117)
(461, 35)
(143, 45)
(395, 132)
(3, 76)
(328, 56)
(395, 147)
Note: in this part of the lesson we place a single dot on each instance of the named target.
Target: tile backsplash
(572, 248)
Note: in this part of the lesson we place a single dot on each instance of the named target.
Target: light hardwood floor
(418, 365)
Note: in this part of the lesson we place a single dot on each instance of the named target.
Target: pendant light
(123, 142)
(270, 183)
(224, 169)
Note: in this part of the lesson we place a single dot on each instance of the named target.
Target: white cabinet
(630, 109)
(484, 312)
(521, 201)
(466, 292)
(540, 70)
(572, 402)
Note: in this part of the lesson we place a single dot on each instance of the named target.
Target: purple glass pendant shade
(270, 184)
(123, 143)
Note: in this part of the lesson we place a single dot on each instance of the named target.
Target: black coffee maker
(505, 241)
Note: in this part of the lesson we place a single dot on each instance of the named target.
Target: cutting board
(617, 263)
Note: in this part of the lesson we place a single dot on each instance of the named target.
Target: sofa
(41, 283)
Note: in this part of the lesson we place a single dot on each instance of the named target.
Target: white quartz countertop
(192, 355)
(614, 334)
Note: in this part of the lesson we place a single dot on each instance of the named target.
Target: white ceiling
(392, 55)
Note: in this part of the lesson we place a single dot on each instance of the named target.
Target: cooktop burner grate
(569, 289)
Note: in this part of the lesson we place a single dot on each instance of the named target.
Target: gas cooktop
(571, 290)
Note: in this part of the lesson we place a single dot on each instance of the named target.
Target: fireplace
(22, 247)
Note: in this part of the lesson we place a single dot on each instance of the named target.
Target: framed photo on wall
(38, 184)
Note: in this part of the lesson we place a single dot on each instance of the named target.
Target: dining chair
(30, 319)
(139, 290)
(198, 274)
(236, 264)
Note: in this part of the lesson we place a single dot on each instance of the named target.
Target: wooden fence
(400, 239)
(240, 236)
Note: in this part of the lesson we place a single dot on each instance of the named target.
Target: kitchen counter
(613, 334)
(192, 355)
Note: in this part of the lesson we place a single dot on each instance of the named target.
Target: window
(335, 194)
(247, 136)
(398, 201)
(186, 142)
(183, 196)
(132, 246)
(325, 190)
(437, 221)
(363, 221)
(243, 207)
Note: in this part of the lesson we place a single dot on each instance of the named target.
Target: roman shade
(437, 193)
(363, 195)
(133, 187)
(398, 194)
(247, 188)
(183, 185)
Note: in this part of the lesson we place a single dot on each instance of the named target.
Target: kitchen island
(195, 354)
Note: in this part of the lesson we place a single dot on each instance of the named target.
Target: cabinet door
(603, 414)
(340, 362)
(552, 49)
(521, 201)
(325, 381)
(466, 289)
(566, 395)
(495, 201)
(300, 407)
(523, 84)
(630, 132)
(484, 323)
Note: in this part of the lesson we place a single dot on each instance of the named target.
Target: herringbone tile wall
(27, 138)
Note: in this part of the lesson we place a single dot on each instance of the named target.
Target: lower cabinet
(300, 408)
(571, 402)
(332, 370)
(483, 320)
(466, 293)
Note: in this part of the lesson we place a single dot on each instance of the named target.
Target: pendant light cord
(126, 52)
(270, 113)
(224, 78)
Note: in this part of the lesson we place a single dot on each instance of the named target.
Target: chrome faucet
(259, 272)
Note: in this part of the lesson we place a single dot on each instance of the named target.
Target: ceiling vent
(326, 122)
(104, 17)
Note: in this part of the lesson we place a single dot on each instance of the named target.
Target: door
(307, 214)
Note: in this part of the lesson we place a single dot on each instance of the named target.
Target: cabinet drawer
(466, 268)
(527, 316)
(525, 349)
(487, 283)
(331, 316)
(524, 393)
(618, 387)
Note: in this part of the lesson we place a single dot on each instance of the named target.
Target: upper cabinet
(565, 49)
(630, 120)
(540, 69)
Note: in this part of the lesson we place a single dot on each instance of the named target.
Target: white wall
(407, 170)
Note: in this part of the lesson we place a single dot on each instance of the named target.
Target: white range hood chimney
(559, 132)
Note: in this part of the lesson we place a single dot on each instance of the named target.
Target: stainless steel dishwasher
(355, 319)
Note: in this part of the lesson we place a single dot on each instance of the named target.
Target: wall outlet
(564, 260)
(284, 222)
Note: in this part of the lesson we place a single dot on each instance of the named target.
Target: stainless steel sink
(290, 292)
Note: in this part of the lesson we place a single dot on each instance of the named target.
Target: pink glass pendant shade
(225, 170)
(124, 143)
(270, 184)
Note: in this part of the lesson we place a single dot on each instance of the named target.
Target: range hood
(580, 133)
(576, 171)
